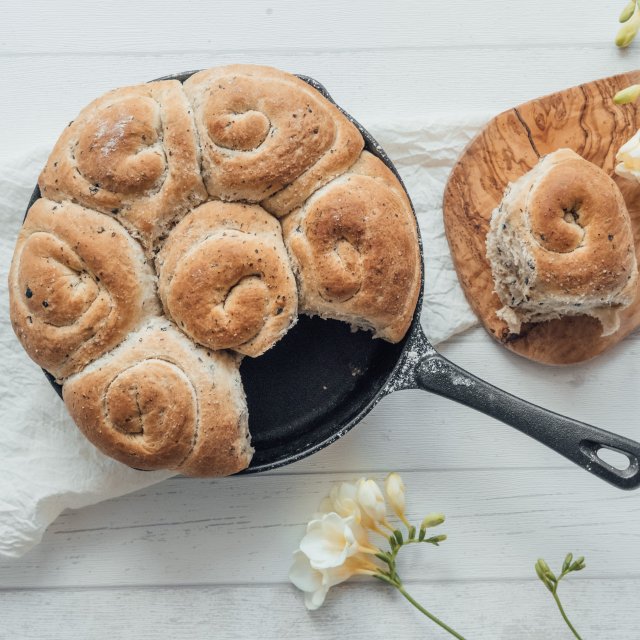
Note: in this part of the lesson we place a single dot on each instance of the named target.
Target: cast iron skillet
(321, 379)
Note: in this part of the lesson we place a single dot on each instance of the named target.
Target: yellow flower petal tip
(395, 490)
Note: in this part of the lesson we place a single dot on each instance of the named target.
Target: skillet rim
(396, 378)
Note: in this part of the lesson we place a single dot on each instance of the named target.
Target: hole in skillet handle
(341, 378)
(611, 458)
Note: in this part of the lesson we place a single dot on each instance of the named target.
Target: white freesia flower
(371, 500)
(331, 539)
(336, 545)
(307, 579)
(394, 488)
(344, 500)
(325, 506)
(316, 582)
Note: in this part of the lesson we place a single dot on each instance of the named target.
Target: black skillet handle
(575, 440)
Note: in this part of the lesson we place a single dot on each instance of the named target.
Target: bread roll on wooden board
(582, 118)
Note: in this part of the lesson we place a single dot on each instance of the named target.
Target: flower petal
(371, 500)
(329, 541)
(326, 506)
(303, 575)
(315, 600)
(336, 575)
(395, 490)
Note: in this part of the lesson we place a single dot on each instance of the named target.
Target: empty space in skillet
(320, 379)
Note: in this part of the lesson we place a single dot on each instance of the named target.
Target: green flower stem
(420, 608)
(564, 615)
(391, 577)
(548, 578)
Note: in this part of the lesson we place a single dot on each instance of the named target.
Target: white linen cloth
(47, 466)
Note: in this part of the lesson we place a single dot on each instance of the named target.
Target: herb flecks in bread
(354, 247)
(78, 284)
(225, 279)
(561, 244)
(167, 197)
(160, 402)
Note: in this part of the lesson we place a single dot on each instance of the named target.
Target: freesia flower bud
(394, 488)
(325, 506)
(432, 520)
(344, 499)
(546, 571)
(543, 565)
(628, 31)
(543, 576)
(630, 94)
(628, 11)
(438, 539)
(371, 500)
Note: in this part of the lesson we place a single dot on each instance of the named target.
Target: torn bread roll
(355, 252)
(561, 244)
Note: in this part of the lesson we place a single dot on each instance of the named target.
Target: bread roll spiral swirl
(78, 285)
(268, 136)
(354, 245)
(133, 154)
(225, 278)
(561, 243)
(157, 246)
(160, 402)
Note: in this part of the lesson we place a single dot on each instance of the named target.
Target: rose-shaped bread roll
(560, 243)
(354, 248)
(133, 153)
(225, 278)
(78, 284)
(267, 136)
(160, 402)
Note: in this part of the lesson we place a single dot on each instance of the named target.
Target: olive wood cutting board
(582, 118)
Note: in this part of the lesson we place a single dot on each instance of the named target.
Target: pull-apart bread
(183, 226)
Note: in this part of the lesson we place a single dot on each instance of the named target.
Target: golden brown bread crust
(225, 278)
(354, 246)
(582, 118)
(83, 297)
(132, 153)
(561, 243)
(78, 285)
(158, 402)
(268, 136)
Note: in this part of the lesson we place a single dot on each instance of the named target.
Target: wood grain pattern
(363, 610)
(583, 118)
(238, 530)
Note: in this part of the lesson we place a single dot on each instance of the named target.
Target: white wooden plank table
(209, 559)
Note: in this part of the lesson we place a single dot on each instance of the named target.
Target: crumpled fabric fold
(48, 466)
